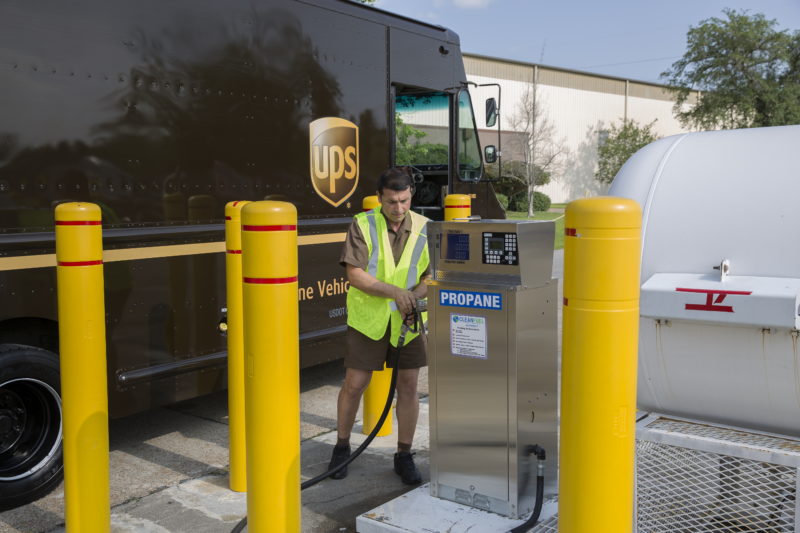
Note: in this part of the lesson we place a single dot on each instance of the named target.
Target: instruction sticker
(468, 336)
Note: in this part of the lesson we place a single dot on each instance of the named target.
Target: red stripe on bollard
(458, 206)
(234, 251)
(270, 281)
(78, 222)
(269, 228)
(79, 263)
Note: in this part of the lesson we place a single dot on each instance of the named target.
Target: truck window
(421, 124)
(469, 150)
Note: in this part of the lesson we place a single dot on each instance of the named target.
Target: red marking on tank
(269, 228)
(270, 281)
(78, 222)
(712, 304)
(79, 263)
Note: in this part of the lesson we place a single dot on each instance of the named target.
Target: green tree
(620, 142)
(409, 150)
(748, 73)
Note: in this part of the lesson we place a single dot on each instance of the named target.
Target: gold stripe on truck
(153, 252)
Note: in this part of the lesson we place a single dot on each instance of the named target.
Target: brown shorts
(364, 353)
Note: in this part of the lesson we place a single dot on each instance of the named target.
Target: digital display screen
(457, 247)
(496, 243)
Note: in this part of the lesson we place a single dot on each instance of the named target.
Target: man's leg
(407, 404)
(355, 381)
(407, 414)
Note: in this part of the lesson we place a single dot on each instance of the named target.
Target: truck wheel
(30, 424)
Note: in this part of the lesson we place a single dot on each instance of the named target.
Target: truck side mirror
(491, 112)
(490, 154)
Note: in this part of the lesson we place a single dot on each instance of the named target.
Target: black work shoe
(339, 455)
(405, 468)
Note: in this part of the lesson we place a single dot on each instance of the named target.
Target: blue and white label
(476, 300)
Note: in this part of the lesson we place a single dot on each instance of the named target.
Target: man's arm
(406, 300)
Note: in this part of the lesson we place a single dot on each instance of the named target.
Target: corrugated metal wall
(580, 106)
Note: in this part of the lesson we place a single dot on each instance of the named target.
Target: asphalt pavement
(169, 466)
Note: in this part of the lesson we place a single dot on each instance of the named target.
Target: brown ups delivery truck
(161, 113)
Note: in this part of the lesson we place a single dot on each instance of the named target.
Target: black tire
(30, 424)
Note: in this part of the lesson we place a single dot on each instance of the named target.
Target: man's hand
(405, 301)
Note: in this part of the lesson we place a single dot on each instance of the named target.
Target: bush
(519, 202)
(541, 202)
(503, 199)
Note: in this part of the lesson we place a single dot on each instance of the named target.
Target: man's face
(395, 204)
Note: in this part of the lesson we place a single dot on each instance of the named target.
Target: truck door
(435, 132)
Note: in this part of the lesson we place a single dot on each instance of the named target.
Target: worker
(385, 255)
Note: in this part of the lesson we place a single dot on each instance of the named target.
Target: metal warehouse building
(581, 106)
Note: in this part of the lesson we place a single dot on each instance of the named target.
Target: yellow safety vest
(370, 314)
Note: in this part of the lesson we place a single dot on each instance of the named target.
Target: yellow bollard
(84, 393)
(378, 389)
(598, 377)
(370, 202)
(272, 366)
(457, 206)
(235, 332)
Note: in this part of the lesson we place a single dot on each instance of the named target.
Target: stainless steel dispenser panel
(493, 362)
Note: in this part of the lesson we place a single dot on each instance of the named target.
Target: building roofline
(567, 70)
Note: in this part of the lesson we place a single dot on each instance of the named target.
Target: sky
(633, 39)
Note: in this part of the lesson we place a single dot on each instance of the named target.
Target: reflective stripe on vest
(422, 242)
(372, 267)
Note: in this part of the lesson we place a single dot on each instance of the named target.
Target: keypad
(500, 248)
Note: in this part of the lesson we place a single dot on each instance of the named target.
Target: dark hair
(396, 179)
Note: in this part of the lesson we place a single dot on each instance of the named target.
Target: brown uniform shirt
(362, 352)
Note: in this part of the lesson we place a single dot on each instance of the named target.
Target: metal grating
(690, 489)
(548, 526)
(753, 440)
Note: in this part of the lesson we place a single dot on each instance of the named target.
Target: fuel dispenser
(493, 375)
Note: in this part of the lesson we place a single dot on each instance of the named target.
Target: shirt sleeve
(354, 251)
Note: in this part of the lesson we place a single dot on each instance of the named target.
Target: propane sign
(475, 300)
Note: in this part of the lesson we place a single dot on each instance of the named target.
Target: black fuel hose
(537, 507)
(414, 328)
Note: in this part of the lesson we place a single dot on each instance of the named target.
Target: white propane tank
(720, 276)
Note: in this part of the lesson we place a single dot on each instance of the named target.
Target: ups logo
(334, 158)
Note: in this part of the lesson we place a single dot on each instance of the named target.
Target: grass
(558, 217)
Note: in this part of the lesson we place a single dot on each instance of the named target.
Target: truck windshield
(421, 124)
(469, 150)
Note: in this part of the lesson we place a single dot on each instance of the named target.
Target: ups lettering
(333, 163)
